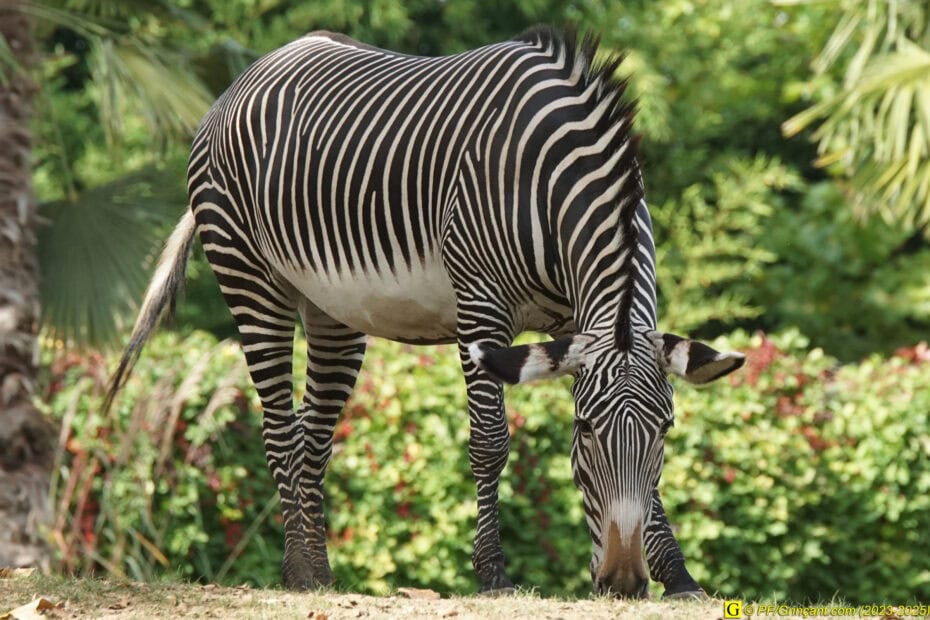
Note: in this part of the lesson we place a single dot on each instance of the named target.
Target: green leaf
(878, 125)
(95, 251)
(127, 72)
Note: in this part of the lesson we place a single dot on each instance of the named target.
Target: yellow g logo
(733, 609)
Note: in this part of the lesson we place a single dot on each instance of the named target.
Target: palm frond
(883, 188)
(172, 101)
(130, 69)
(94, 253)
(104, 18)
(877, 127)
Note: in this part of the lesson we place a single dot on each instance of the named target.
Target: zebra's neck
(612, 259)
(601, 279)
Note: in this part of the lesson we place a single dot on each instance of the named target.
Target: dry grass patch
(90, 598)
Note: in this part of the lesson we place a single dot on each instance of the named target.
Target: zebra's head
(623, 409)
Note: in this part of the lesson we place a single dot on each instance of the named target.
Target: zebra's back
(340, 163)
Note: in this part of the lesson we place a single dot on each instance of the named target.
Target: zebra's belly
(415, 305)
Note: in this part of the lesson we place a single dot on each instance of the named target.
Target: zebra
(459, 199)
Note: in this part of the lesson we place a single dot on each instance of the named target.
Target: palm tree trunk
(25, 434)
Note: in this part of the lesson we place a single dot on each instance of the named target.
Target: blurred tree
(25, 435)
(714, 79)
(856, 286)
(99, 248)
(119, 95)
(875, 126)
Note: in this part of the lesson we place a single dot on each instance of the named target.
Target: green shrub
(802, 479)
(853, 286)
(169, 479)
(707, 242)
(796, 478)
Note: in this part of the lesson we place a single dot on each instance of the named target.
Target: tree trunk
(25, 434)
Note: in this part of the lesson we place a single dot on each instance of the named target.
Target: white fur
(627, 514)
(169, 256)
(475, 352)
(539, 365)
(676, 362)
(417, 303)
(714, 367)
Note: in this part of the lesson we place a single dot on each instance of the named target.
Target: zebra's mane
(601, 71)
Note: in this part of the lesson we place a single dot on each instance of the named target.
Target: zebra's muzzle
(623, 570)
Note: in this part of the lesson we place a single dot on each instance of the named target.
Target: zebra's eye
(584, 426)
(666, 426)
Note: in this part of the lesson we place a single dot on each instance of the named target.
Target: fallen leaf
(450, 614)
(122, 604)
(420, 593)
(30, 611)
(317, 615)
(11, 573)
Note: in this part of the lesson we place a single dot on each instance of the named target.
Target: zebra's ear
(527, 362)
(692, 360)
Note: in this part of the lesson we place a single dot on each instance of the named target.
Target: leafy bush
(708, 242)
(853, 286)
(796, 478)
(802, 479)
(170, 478)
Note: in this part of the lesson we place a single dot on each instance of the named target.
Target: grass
(91, 598)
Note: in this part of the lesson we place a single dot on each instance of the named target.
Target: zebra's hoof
(302, 578)
(304, 583)
(494, 581)
(688, 595)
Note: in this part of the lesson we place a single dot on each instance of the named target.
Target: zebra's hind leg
(334, 357)
(267, 332)
(664, 556)
(265, 312)
(488, 450)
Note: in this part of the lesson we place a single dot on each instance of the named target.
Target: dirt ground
(36, 596)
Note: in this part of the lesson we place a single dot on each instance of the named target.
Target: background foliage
(800, 479)
(796, 479)
(737, 206)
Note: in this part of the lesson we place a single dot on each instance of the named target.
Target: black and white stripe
(457, 199)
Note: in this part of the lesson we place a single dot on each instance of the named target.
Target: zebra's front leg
(334, 357)
(664, 556)
(488, 450)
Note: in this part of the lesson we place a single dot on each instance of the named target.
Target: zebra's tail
(160, 295)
